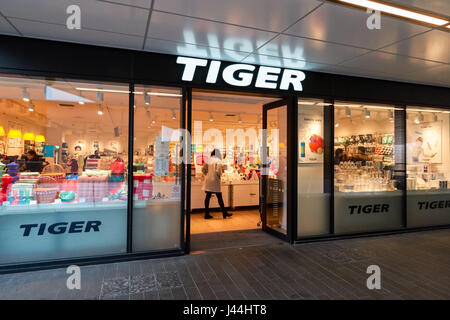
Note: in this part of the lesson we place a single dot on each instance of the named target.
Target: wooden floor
(241, 220)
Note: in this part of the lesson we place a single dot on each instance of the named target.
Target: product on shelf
(143, 186)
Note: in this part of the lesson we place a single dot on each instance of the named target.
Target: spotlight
(146, 98)
(174, 115)
(367, 112)
(211, 119)
(147, 113)
(100, 110)
(100, 96)
(421, 117)
(25, 95)
(30, 106)
(348, 112)
(239, 119)
(337, 125)
(435, 117)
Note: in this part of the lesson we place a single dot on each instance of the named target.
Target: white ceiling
(312, 35)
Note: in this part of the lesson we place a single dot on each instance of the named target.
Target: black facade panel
(60, 59)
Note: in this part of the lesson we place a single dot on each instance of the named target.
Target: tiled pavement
(413, 266)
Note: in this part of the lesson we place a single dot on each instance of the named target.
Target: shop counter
(367, 211)
(244, 193)
(57, 231)
(428, 207)
(234, 194)
(198, 196)
(156, 224)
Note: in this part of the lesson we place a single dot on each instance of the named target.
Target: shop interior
(232, 124)
(364, 145)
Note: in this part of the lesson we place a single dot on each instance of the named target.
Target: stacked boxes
(143, 187)
(92, 189)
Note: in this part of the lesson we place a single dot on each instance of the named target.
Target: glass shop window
(157, 162)
(428, 166)
(367, 190)
(63, 160)
(313, 200)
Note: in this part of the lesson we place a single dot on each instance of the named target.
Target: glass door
(274, 165)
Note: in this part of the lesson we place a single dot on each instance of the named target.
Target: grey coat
(212, 170)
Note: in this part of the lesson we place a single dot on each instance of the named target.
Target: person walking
(213, 170)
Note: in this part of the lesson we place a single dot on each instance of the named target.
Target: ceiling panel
(263, 14)
(94, 14)
(433, 45)
(346, 25)
(59, 32)
(437, 6)
(195, 31)
(439, 75)
(310, 50)
(282, 63)
(192, 50)
(6, 28)
(137, 3)
(390, 63)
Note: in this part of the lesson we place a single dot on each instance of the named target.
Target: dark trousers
(219, 199)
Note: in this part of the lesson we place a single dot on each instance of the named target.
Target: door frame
(291, 102)
(291, 183)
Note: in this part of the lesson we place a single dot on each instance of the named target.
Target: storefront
(100, 153)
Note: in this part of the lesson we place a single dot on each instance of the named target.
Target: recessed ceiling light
(397, 11)
(103, 90)
(306, 103)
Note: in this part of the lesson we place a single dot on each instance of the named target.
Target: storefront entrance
(242, 138)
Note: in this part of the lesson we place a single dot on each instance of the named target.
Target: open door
(274, 173)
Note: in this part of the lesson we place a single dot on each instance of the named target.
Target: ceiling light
(337, 124)
(239, 119)
(80, 100)
(306, 103)
(417, 121)
(348, 112)
(100, 110)
(367, 113)
(162, 94)
(146, 98)
(25, 95)
(153, 121)
(103, 90)
(211, 119)
(448, 26)
(31, 106)
(174, 115)
(348, 105)
(397, 11)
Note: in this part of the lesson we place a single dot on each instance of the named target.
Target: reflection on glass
(428, 166)
(63, 154)
(157, 168)
(276, 203)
